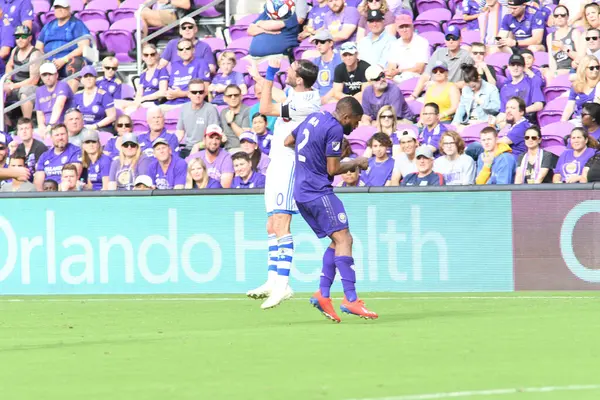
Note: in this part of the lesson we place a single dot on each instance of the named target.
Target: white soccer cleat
(261, 292)
(277, 296)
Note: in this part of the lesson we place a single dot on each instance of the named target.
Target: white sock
(285, 246)
(273, 256)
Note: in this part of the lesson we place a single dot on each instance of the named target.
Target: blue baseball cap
(88, 70)
(452, 30)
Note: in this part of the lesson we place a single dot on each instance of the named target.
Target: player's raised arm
(267, 106)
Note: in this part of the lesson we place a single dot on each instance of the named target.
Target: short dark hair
(382, 138)
(52, 182)
(521, 102)
(349, 105)
(593, 29)
(57, 126)
(536, 129)
(232, 86)
(24, 121)
(489, 129)
(470, 73)
(308, 72)
(195, 81)
(241, 155)
(594, 110)
(435, 107)
(21, 157)
(477, 44)
(259, 115)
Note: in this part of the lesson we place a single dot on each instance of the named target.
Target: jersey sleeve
(167, 53)
(227, 166)
(297, 109)
(40, 163)
(505, 23)
(334, 137)
(180, 173)
(539, 21)
(107, 101)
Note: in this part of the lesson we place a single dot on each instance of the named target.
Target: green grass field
(204, 347)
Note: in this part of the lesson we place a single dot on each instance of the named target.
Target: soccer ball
(280, 9)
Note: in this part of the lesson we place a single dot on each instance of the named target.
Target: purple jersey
(529, 89)
(391, 96)
(326, 69)
(517, 136)
(378, 173)
(264, 142)
(432, 137)
(124, 175)
(317, 15)
(263, 163)
(335, 22)
(146, 142)
(45, 100)
(112, 87)
(176, 173)
(234, 78)
(51, 163)
(150, 83)
(111, 147)
(201, 51)
(16, 12)
(580, 99)
(471, 7)
(182, 74)
(97, 170)
(523, 29)
(221, 165)
(569, 165)
(95, 111)
(256, 181)
(319, 136)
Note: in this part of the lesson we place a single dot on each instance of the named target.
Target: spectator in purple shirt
(249, 144)
(182, 72)
(245, 176)
(342, 21)
(197, 176)
(130, 164)
(109, 82)
(263, 135)
(583, 90)
(471, 9)
(167, 172)
(50, 164)
(96, 105)
(382, 92)
(217, 160)
(225, 77)
(316, 19)
(381, 165)
(523, 27)
(432, 129)
(153, 82)
(96, 166)
(569, 168)
(123, 125)
(188, 29)
(515, 117)
(17, 12)
(52, 99)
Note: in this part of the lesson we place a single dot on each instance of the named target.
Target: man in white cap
(349, 78)
(381, 93)
(143, 182)
(59, 32)
(327, 63)
(374, 48)
(163, 13)
(425, 175)
(52, 99)
(188, 29)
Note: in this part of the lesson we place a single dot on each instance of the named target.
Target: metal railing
(138, 17)
(93, 56)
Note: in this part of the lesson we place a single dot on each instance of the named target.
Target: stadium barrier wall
(457, 240)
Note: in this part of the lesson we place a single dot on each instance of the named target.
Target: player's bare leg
(281, 289)
(264, 290)
(321, 300)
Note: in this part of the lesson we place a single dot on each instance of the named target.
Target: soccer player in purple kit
(318, 149)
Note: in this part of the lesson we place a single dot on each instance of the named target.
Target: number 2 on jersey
(314, 122)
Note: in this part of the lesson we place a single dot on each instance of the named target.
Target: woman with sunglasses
(96, 166)
(443, 92)
(583, 90)
(388, 18)
(406, 162)
(123, 125)
(130, 164)
(249, 145)
(197, 176)
(153, 83)
(535, 165)
(96, 105)
(564, 44)
(350, 178)
(225, 77)
(590, 119)
(386, 123)
(479, 101)
(569, 168)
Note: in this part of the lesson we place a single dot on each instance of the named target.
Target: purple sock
(345, 265)
(327, 272)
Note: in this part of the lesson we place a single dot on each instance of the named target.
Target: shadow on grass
(65, 345)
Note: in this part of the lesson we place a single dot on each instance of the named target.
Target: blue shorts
(324, 215)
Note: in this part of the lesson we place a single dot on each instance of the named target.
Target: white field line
(109, 298)
(491, 392)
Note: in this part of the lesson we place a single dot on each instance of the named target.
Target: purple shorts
(324, 215)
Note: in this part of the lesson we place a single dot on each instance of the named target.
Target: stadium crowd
(453, 92)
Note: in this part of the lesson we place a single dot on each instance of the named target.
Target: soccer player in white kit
(292, 106)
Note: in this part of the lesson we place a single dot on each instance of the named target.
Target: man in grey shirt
(195, 117)
(18, 161)
(235, 119)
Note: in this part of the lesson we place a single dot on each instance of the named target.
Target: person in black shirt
(349, 78)
(31, 149)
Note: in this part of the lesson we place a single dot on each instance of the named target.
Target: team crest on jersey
(97, 168)
(342, 218)
(12, 9)
(336, 146)
(154, 82)
(63, 160)
(95, 109)
(190, 70)
(112, 88)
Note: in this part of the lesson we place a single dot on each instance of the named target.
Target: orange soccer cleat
(357, 308)
(324, 305)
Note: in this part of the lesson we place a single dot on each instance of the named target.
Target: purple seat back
(434, 38)
(469, 37)
(247, 20)
(497, 59)
(127, 91)
(358, 146)
(210, 13)
(473, 131)
(426, 5)
(102, 5)
(415, 106)
(436, 14)
(540, 58)
(557, 130)
(215, 43)
(40, 6)
(120, 13)
(362, 133)
(132, 4)
(97, 25)
(330, 107)
(238, 31)
(408, 86)
(47, 17)
(556, 149)
(126, 24)
(547, 117)
(240, 46)
(104, 136)
(558, 104)
(119, 42)
(427, 26)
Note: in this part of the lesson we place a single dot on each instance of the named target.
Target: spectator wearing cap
(425, 175)
(456, 167)
(188, 29)
(96, 165)
(583, 90)
(490, 21)
(195, 116)
(522, 86)
(327, 63)
(245, 175)
(109, 82)
(366, 9)
(225, 77)
(130, 164)
(50, 164)
(153, 83)
(52, 99)
(452, 56)
(564, 44)
(271, 37)
(316, 19)
(235, 118)
(479, 101)
(442, 92)
(182, 72)
(218, 161)
(523, 28)
(31, 149)
(495, 165)
(23, 84)
(409, 54)
(143, 182)
(381, 164)
(56, 33)
(471, 10)
(380, 93)
(197, 176)
(349, 78)
(263, 134)
(342, 21)
(74, 124)
(163, 13)
(405, 163)
(123, 125)
(17, 185)
(96, 105)
(530, 70)
(432, 129)
(166, 171)
(249, 145)
(375, 46)
(156, 123)
(485, 71)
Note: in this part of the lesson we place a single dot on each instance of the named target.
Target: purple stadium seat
(119, 42)
(210, 13)
(40, 6)
(216, 44)
(76, 5)
(498, 61)
(304, 46)
(97, 25)
(556, 149)
(48, 141)
(437, 14)
(552, 112)
(240, 46)
(470, 134)
(540, 58)
(408, 86)
(553, 134)
(242, 66)
(415, 106)
(221, 108)
(241, 26)
(330, 107)
(120, 13)
(425, 5)
(102, 5)
(557, 87)
(104, 136)
(427, 26)
(250, 100)
(469, 37)
(362, 133)
(557, 104)
(500, 80)
(47, 17)
(131, 4)
(127, 91)
(435, 38)
(358, 146)
(91, 14)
